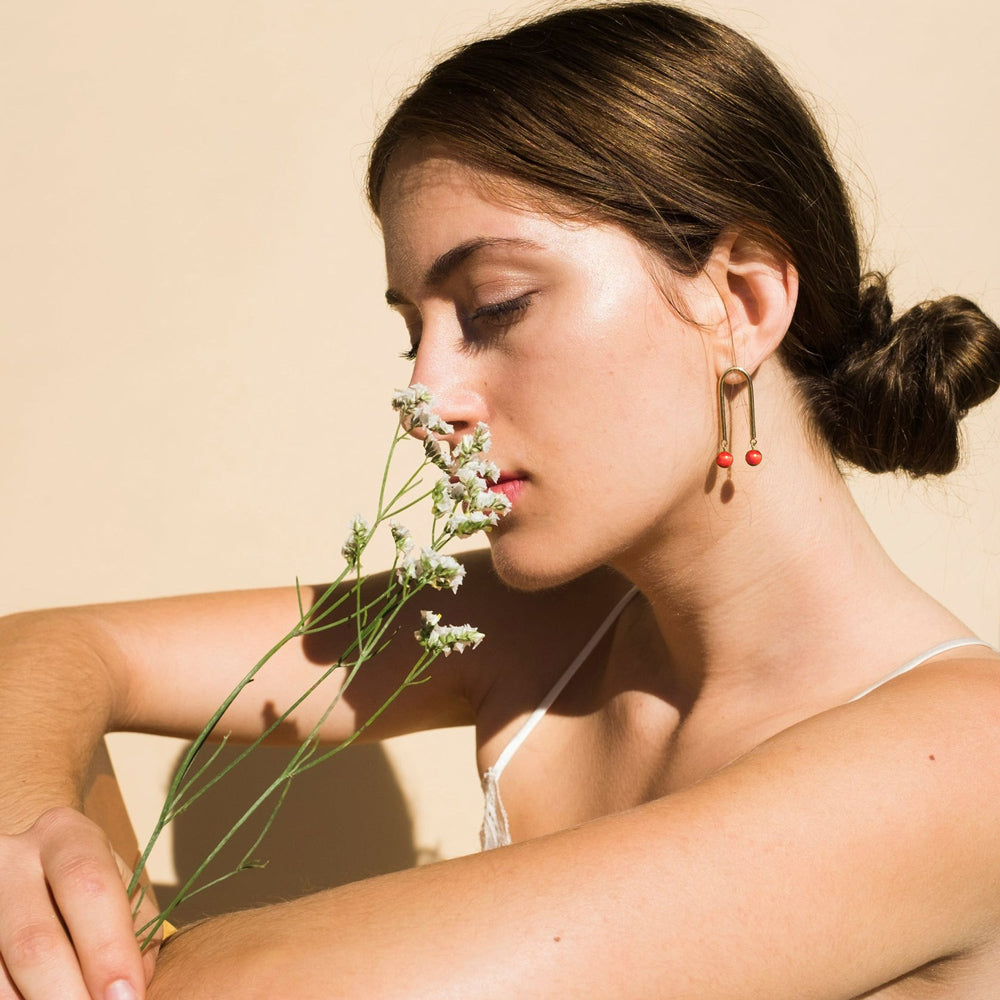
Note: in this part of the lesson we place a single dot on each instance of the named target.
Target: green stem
(373, 619)
(168, 805)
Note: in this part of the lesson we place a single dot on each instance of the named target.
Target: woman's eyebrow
(450, 259)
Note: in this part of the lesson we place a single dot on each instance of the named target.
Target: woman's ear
(757, 289)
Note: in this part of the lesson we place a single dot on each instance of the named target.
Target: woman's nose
(453, 382)
(457, 406)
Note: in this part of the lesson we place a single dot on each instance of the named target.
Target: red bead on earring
(753, 457)
(724, 459)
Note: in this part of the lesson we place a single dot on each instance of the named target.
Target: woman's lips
(510, 485)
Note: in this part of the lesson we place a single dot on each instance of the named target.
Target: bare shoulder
(934, 732)
(950, 707)
(893, 799)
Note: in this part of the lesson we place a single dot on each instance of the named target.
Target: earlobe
(758, 290)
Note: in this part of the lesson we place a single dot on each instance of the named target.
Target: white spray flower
(476, 443)
(474, 487)
(461, 524)
(442, 572)
(436, 425)
(401, 536)
(414, 406)
(469, 478)
(478, 495)
(497, 503)
(439, 452)
(405, 401)
(470, 486)
(442, 497)
(433, 569)
(422, 417)
(446, 639)
(357, 538)
(407, 570)
(482, 468)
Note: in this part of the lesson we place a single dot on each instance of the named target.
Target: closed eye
(487, 322)
(502, 313)
(490, 323)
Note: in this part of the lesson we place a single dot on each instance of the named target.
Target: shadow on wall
(344, 820)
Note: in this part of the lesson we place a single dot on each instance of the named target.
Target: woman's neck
(773, 583)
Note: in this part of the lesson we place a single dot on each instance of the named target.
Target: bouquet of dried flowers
(461, 505)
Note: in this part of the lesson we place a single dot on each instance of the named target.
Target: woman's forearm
(66, 923)
(58, 698)
(654, 901)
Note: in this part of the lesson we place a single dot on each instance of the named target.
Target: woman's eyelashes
(489, 322)
(413, 329)
(484, 324)
(502, 313)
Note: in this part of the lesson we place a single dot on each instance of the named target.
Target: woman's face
(599, 397)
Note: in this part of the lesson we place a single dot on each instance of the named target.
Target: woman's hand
(66, 925)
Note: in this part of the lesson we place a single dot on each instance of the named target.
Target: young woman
(729, 750)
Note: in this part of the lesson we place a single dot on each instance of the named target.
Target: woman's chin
(529, 567)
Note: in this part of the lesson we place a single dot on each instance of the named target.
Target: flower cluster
(358, 536)
(445, 639)
(467, 501)
(476, 443)
(414, 408)
(401, 537)
(463, 494)
(433, 569)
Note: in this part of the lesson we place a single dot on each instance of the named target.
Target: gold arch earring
(725, 458)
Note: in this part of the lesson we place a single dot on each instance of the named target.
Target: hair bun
(911, 380)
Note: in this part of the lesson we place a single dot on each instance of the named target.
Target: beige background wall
(196, 359)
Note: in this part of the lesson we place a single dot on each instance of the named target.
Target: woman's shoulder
(875, 821)
(957, 688)
(940, 719)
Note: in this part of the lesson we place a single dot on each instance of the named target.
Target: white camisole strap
(495, 831)
(942, 647)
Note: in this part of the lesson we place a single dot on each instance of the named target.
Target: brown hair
(677, 128)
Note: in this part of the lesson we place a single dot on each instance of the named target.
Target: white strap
(918, 660)
(525, 731)
(495, 831)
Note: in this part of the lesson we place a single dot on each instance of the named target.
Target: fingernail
(120, 989)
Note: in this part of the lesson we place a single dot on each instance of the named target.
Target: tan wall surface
(196, 358)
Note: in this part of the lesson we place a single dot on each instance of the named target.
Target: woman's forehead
(433, 202)
(417, 168)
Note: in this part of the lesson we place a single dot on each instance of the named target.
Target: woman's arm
(61, 878)
(843, 853)
(164, 665)
(69, 676)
